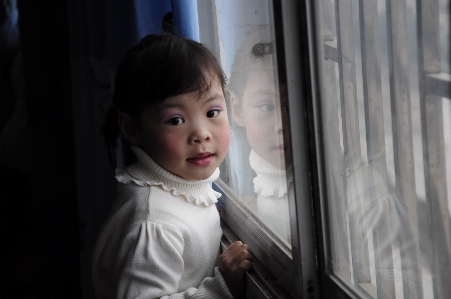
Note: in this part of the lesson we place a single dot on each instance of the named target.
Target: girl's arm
(148, 263)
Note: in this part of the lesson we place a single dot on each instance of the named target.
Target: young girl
(162, 237)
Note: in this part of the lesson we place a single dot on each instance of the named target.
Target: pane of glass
(256, 169)
(386, 139)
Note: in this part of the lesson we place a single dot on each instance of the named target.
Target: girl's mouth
(202, 159)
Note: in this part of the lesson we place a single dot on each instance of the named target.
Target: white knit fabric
(270, 180)
(161, 239)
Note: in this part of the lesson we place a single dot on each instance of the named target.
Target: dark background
(40, 230)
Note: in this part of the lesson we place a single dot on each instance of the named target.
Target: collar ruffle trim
(270, 180)
(147, 172)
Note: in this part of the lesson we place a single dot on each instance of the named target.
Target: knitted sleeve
(148, 263)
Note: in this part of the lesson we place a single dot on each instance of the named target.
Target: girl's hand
(233, 262)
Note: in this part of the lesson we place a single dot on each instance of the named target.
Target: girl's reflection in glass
(256, 107)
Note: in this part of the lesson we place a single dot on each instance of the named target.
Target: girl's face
(259, 111)
(187, 135)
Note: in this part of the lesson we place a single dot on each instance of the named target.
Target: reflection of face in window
(259, 112)
(259, 106)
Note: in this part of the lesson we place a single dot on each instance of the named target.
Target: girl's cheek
(172, 145)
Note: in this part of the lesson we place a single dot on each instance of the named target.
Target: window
(259, 203)
(357, 95)
(385, 135)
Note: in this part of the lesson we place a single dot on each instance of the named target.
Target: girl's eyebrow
(215, 96)
(169, 105)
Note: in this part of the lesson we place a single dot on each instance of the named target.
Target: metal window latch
(262, 49)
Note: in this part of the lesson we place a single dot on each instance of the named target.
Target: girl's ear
(237, 111)
(129, 128)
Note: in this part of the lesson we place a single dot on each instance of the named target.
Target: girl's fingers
(237, 251)
(245, 265)
(236, 258)
(236, 247)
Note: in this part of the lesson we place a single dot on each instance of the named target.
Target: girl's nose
(199, 134)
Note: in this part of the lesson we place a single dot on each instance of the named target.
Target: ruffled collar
(270, 180)
(147, 172)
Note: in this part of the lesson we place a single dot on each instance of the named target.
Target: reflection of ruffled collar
(270, 180)
(147, 172)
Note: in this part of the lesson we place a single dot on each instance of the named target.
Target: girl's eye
(267, 107)
(212, 113)
(175, 121)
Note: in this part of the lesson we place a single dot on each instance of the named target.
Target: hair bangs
(193, 71)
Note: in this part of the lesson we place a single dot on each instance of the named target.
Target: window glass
(385, 130)
(256, 168)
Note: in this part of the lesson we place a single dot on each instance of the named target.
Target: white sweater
(161, 239)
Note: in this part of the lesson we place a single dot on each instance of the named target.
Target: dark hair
(158, 67)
